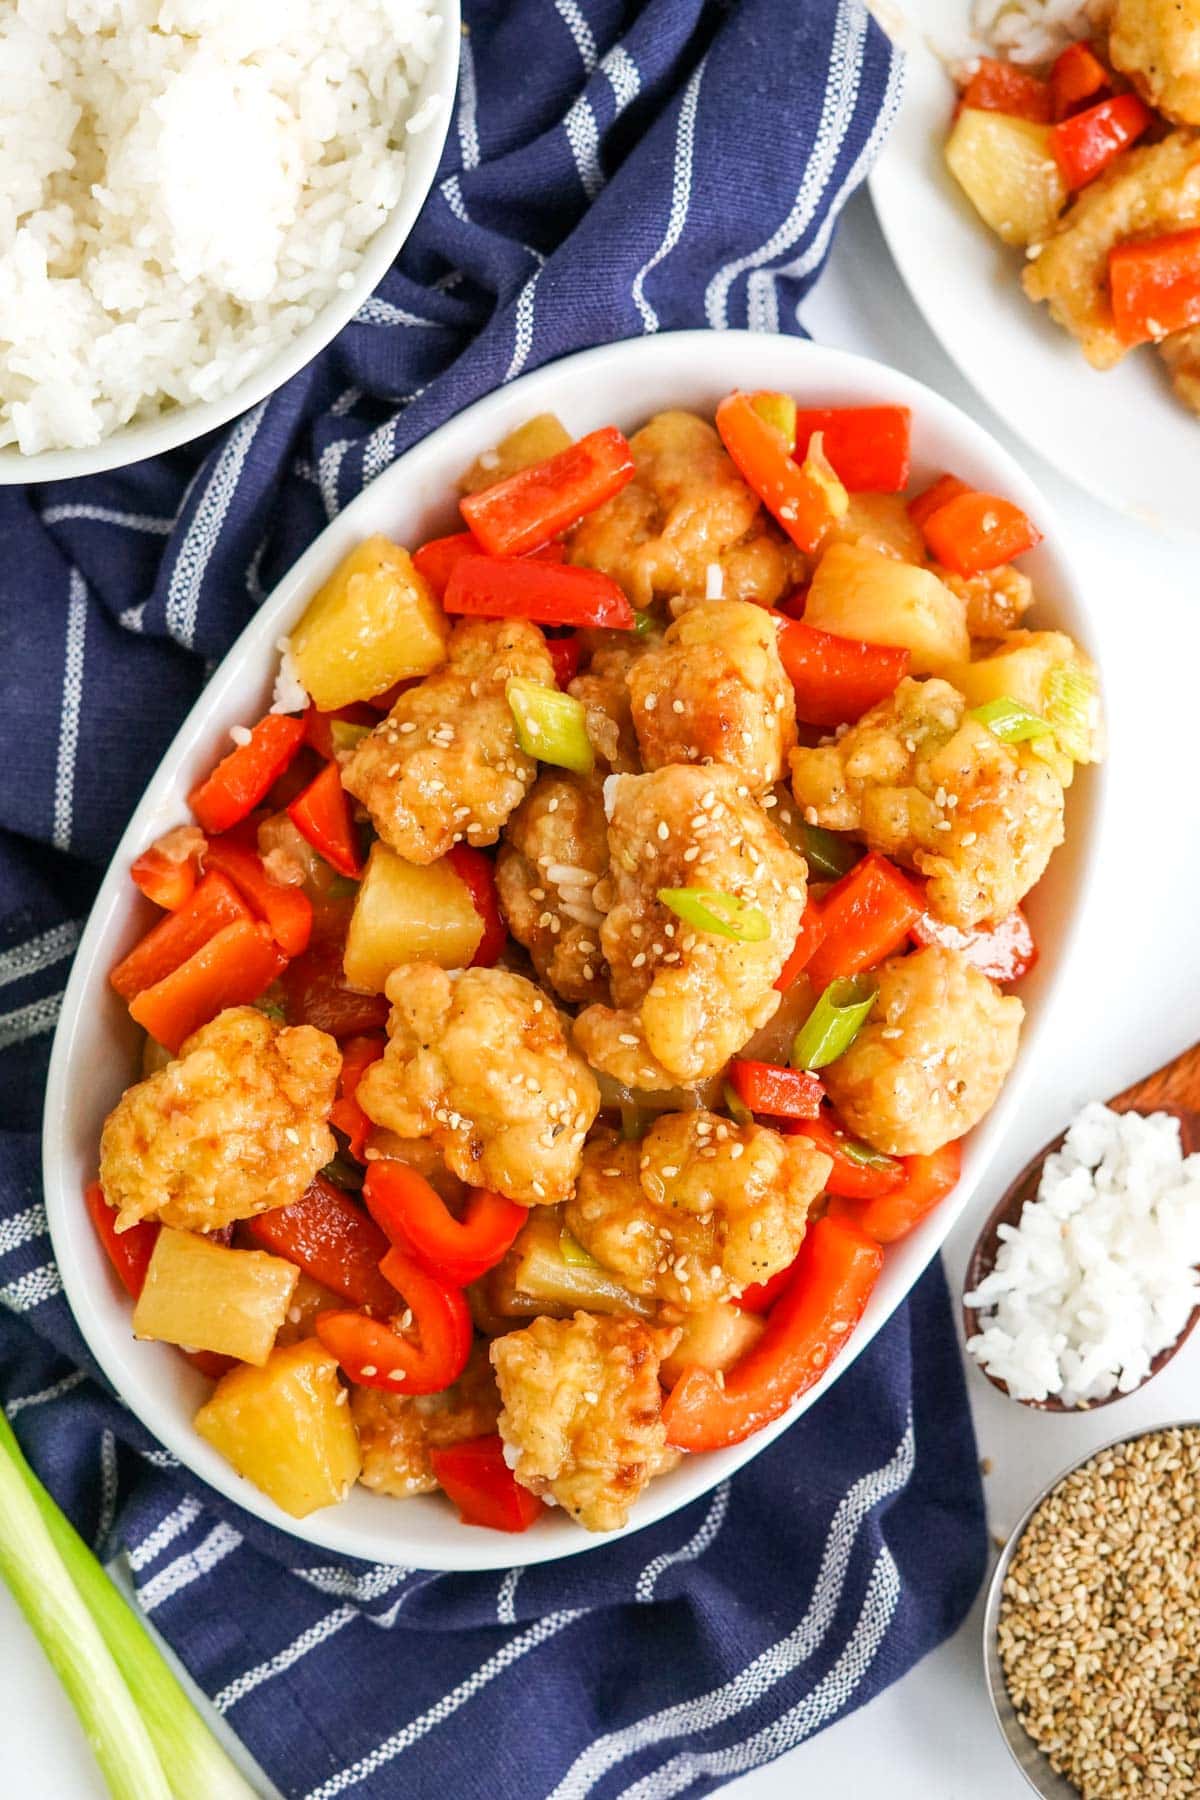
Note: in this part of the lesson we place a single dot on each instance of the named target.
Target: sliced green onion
(346, 737)
(779, 410)
(735, 1106)
(551, 725)
(855, 1151)
(644, 622)
(834, 1022)
(573, 1252)
(343, 1173)
(724, 914)
(1011, 722)
(828, 854)
(1073, 709)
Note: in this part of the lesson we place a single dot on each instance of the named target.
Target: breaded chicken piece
(685, 1000)
(1157, 44)
(715, 691)
(1181, 353)
(928, 785)
(237, 1123)
(445, 767)
(396, 1432)
(686, 509)
(932, 1057)
(603, 690)
(554, 852)
(479, 1062)
(996, 600)
(1145, 192)
(699, 1209)
(582, 1417)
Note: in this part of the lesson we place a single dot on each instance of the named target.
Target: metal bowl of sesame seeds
(1091, 1633)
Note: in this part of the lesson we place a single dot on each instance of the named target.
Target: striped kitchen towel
(611, 169)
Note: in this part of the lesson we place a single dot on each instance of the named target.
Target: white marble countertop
(1133, 1002)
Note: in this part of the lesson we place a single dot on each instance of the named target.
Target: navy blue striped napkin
(611, 170)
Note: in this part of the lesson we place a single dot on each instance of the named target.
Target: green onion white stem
(551, 725)
(723, 915)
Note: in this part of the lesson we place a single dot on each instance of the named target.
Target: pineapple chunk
(375, 622)
(530, 443)
(1048, 674)
(881, 522)
(287, 1428)
(860, 592)
(206, 1297)
(545, 1272)
(1006, 168)
(713, 1339)
(405, 913)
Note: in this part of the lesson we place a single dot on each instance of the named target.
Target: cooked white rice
(1098, 1277)
(1029, 31)
(183, 185)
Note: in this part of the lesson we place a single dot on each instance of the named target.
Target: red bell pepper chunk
(837, 679)
(1077, 75)
(836, 1271)
(793, 607)
(493, 587)
(358, 1053)
(287, 910)
(215, 904)
(1155, 286)
(332, 1239)
(167, 880)
(778, 1092)
(810, 934)
(858, 1172)
(232, 969)
(316, 993)
(416, 1218)
(1003, 952)
(566, 654)
(1087, 142)
(375, 1355)
(1002, 87)
(322, 815)
(437, 560)
(483, 1487)
(529, 508)
(974, 532)
(476, 872)
(927, 1181)
(867, 916)
(868, 446)
(761, 1296)
(946, 487)
(318, 732)
(129, 1251)
(247, 774)
(763, 459)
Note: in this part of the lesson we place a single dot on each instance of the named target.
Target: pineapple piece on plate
(408, 913)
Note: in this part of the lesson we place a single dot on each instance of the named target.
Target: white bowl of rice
(196, 196)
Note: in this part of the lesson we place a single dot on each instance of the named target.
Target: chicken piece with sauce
(237, 1123)
(996, 599)
(1157, 44)
(685, 1000)
(396, 1432)
(1181, 353)
(445, 766)
(603, 691)
(582, 1418)
(925, 783)
(699, 1209)
(554, 852)
(479, 1062)
(932, 1057)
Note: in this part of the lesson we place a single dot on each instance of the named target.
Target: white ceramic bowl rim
(627, 382)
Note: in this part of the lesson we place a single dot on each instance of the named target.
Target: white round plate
(95, 1049)
(1120, 433)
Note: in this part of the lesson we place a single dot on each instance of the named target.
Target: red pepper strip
(946, 487)
(287, 910)
(169, 883)
(317, 993)
(778, 1092)
(764, 460)
(247, 774)
(529, 508)
(837, 679)
(417, 1219)
(1003, 952)
(849, 1176)
(1155, 286)
(836, 1271)
(793, 607)
(374, 1355)
(358, 1053)
(868, 446)
(475, 871)
(210, 1363)
(331, 1238)
(231, 969)
(317, 725)
(927, 1181)
(976, 531)
(810, 934)
(215, 904)
(1002, 87)
(867, 916)
(761, 1296)
(565, 654)
(436, 560)
(322, 815)
(493, 587)
(1077, 75)
(1086, 143)
(130, 1251)
(483, 1487)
